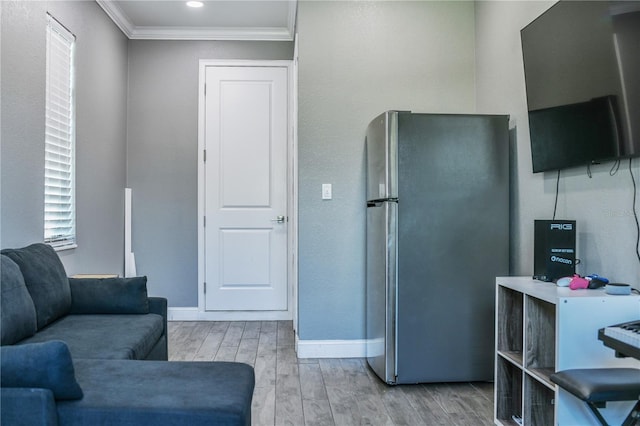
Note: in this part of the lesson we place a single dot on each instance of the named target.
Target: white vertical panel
(129, 259)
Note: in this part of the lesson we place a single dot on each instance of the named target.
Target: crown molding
(116, 15)
(291, 19)
(193, 33)
(136, 32)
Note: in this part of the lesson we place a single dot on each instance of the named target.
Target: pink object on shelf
(577, 282)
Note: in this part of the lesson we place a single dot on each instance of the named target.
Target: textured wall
(602, 205)
(101, 85)
(162, 164)
(356, 60)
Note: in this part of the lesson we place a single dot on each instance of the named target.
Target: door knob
(279, 219)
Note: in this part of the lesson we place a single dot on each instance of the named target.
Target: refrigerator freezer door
(382, 162)
(382, 289)
(453, 240)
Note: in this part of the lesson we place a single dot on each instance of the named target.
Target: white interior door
(246, 135)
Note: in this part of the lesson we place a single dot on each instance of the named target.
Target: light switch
(326, 191)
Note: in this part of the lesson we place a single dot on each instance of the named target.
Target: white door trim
(292, 212)
(293, 189)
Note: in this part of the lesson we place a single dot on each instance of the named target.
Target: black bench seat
(597, 386)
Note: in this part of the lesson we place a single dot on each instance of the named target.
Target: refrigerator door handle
(379, 202)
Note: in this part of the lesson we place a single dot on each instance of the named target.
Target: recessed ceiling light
(195, 4)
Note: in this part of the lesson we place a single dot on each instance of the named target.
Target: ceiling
(216, 20)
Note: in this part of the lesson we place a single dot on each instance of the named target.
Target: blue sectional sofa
(97, 318)
(94, 351)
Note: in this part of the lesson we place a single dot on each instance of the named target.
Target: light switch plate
(326, 191)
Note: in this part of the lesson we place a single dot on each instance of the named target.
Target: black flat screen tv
(582, 74)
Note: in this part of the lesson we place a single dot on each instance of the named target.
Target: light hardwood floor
(341, 392)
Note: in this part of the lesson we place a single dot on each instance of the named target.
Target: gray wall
(601, 205)
(356, 60)
(101, 85)
(162, 164)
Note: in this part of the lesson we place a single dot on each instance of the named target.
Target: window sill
(63, 247)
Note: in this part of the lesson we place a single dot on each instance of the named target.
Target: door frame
(292, 201)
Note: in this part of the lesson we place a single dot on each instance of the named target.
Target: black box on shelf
(554, 254)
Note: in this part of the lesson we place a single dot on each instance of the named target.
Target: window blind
(59, 168)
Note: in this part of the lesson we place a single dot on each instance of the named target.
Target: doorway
(246, 192)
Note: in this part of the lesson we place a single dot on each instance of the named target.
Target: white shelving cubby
(542, 328)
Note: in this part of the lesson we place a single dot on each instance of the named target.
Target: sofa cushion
(17, 314)
(160, 393)
(109, 295)
(117, 336)
(40, 365)
(46, 281)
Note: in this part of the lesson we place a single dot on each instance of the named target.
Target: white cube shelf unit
(541, 329)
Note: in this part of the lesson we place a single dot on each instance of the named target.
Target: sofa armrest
(109, 295)
(28, 406)
(158, 305)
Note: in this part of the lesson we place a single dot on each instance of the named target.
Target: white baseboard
(182, 314)
(304, 348)
(331, 348)
(194, 314)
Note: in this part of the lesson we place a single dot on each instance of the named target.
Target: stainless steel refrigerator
(437, 236)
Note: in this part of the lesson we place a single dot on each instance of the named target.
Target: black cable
(614, 168)
(633, 208)
(555, 206)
